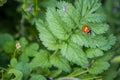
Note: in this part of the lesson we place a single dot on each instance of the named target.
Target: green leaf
(41, 60)
(24, 58)
(111, 73)
(87, 7)
(18, 74)
(70, 14)
(67, 16)
(37, 77)
(99, 41)
(9, 47)
(13, 62)
(84, 8)
(95, 18)
(60, 62)
(116, 59)
(100, 64)
(91, 53)
(5, 38)
(55, 73)
(88, 12)
(48, 39)
(25, 68)
(95, 5)
(110, 42)
(82, 39)
(31, 50)
(91, 8)
(79, 6)
(99, 28)
(98, 67)
(74, 54)
(23, 43)
(55, 24)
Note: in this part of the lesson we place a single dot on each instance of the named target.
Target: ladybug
(86, 29)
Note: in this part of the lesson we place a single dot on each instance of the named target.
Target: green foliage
(13, 62)
(60, 62)
(46, 36)
(111, 41)
(61, 30)
(101, 28)
(23, 42)
(37, 77)
(63, 51)
(96, 67)
(5, 38)
(41, 60)
(2, 2)
(112, 10)
(100, 64)
(56, 25)
(86, 40)
(74, 54)
(9, 47)
(91, 53)
(22, 63)
(111, 73)
(116, 59)
(33, 9)
(18, 74)
(55, 73)
(6, 47)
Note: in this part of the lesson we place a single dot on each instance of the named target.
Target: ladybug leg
(90, 32)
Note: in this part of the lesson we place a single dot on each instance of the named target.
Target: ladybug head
(89, 32)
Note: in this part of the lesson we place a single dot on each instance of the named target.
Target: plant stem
(98, 77)
(3, 69)
(36, 6)
(2, 74)
(73, 74)
(14, 54)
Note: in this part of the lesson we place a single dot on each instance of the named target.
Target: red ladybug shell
(86, 29)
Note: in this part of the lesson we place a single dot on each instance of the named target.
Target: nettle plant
(76, 46)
